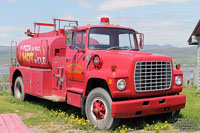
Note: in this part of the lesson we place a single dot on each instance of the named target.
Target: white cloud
(166, 32)
(9, 33)
(11, 1)
(68, 16)
(173, 1)
(7, 38)
(122, 4)
(4, 36)
(10, 28)
(162, 32)
(81, 19)
(84, 3)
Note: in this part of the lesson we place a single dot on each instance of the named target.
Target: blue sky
(163, 22)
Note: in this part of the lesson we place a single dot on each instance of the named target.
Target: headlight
(178, 80)
(121, 84)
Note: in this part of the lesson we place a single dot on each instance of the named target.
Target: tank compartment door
(36, 85)
(40, 81)
(58, 74)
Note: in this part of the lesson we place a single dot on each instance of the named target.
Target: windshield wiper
(117, 47)
(135, 49)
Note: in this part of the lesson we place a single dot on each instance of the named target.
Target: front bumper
(147, 106)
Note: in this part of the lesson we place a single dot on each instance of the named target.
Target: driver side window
(126, 40)
(79, 39)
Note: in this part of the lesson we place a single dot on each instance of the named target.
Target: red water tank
(38, 52)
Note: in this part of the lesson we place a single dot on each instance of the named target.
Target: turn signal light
(178, 66)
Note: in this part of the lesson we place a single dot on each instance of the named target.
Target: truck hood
(125, 60)
(137, 55)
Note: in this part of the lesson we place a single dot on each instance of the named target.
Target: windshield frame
(134, 38)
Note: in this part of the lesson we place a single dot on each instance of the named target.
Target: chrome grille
(152, 76)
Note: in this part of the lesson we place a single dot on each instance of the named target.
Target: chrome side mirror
(68, 37)
(141, 40)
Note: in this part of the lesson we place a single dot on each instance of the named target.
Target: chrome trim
(152, 76)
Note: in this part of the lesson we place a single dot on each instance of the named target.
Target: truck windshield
(112, 39)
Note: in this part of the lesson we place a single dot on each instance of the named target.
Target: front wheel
(98, 109)
(19, 89)
(175, 114)
(171, 115)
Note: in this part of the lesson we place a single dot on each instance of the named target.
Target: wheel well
(16, 74)
(96, 82)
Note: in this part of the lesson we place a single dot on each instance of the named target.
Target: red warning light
(105, 21)
(28, 30)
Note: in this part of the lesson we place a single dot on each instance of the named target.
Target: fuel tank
(38, 52)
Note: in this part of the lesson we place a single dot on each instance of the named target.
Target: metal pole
(3, 83)
(198, 66)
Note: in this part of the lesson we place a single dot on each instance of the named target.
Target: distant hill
(185, 55)
(4, 47)
(5, 58)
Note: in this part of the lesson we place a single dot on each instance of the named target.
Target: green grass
(11, 105)
(45, 114)
(57, 117)
(4, 79)
(192, 107)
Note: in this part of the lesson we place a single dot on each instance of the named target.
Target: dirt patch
(27, 115)
(54, 129)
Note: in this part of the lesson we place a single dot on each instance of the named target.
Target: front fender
(111, 79)
(175, 88)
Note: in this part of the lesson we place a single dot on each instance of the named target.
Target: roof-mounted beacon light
(105, 21)
(29, 33)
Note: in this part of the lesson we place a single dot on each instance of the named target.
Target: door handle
(67, 59)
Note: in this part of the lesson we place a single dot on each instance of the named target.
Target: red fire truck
(98, 68)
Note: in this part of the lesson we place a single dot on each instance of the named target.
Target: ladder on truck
(13, 59)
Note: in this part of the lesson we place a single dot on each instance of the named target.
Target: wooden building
(194, 39)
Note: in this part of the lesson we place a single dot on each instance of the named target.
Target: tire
(19, 89)
(98, 109)
(175, 114)
(171, 114)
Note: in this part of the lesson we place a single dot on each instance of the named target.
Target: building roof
(196, 32)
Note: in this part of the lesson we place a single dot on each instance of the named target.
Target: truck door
(76, 56)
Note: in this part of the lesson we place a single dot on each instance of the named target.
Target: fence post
(3, 83)
(194, 78)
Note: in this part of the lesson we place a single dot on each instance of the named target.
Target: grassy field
(192, 108)
(45, 116)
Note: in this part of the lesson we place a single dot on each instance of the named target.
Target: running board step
(54, 98)
(74, 99)
(74, 96)
(75, 90)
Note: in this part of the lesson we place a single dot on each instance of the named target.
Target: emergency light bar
(105, 21)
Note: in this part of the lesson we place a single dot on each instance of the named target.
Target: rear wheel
(98, 109)
(19, 89)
